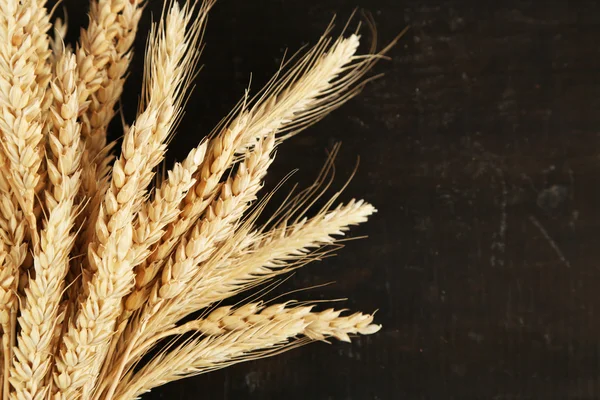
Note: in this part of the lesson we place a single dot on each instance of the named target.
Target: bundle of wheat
(101, 261)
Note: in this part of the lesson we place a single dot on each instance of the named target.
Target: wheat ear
(51, 258)
(21, 99)
(156, 215)
(171, 57)
(279, 251)
(248, 333)
(103, 57)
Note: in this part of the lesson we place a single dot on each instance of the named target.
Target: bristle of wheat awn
(97, 265)
(247, 333)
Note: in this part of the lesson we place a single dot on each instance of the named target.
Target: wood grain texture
(479, 147)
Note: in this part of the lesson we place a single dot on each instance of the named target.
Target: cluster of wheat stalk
(113, 277)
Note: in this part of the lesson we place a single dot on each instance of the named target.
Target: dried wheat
(236, 195)
(98, 266)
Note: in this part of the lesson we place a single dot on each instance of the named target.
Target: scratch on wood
(552, 243)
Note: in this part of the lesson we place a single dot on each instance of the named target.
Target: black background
(479, 148)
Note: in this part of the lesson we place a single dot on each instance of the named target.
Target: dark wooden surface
(480, 149)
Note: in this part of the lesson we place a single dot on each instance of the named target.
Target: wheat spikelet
(57, 42)
(251, 332)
